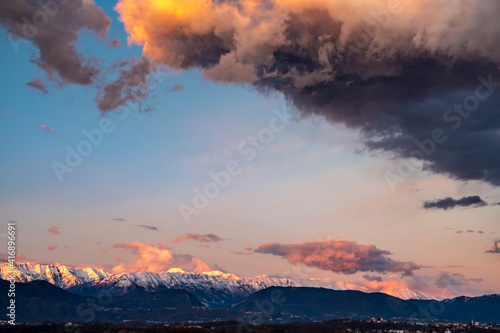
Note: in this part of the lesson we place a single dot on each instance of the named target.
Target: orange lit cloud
(53, 230)
(339, 256)
(372, 286)
(323, 54)
(146, 257)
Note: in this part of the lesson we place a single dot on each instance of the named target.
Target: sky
(352, 145)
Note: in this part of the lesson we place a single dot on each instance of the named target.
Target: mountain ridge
(214, 289)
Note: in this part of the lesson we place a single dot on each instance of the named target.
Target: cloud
(495, 248)
(469, 231)
(52, 247)
(372, 278)
(37, 84)
(415, 68)
(150, 258)
(177, 87)
(242, 253)
(147, 227)
(208, 238)
(55, 35)
(118, 219)
(114, 43)
(53, 230)
(204, 246)
(450, 203)
(339, 256)
(131, 86)
(47, 129)
(445, 284)
(451, 280)
(20, 259)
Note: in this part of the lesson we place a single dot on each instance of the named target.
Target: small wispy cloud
(118, 219)
(242, 253)
(176, 88)
(53, 230)
(47, 129)
(38, 85)
(372, 278)
(114, 43)
(450, 203)
(149, 227)
(469, 231)
(52, 247)
(207, 238)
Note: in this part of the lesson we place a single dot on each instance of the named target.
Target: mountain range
(42, 301)
(214, 289)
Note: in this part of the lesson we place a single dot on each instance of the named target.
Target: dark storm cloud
(340, 256)
(450, 203)
(53, 28)
(414, 81)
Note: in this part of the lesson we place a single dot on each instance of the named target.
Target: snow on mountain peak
(59, 275)
(219, 273)
(406, 294)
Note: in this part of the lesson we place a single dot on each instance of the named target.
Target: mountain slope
(214, 289)
(410, 294)
(309, 304)
(58, 275)
(40, 300)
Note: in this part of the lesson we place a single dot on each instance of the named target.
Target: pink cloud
(52, 247)
(47, 129)
(53, 230)
(242, 253)
(207, 238)
(339, 256)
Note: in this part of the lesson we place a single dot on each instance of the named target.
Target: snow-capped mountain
(410, 294)
(214, 289)
(60, 276)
